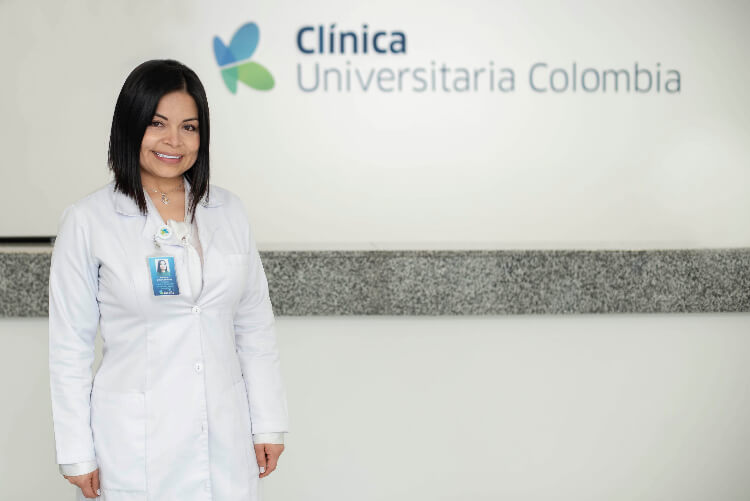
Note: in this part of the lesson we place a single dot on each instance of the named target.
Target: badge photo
(163, 275)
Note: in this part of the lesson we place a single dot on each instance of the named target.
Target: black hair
(134, 111)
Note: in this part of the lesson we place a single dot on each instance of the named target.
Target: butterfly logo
(234, 60)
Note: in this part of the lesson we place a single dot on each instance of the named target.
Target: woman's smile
(166, 158)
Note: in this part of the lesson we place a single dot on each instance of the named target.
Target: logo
(164, 232)
(234, 60)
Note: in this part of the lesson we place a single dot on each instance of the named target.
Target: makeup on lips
(166, 158)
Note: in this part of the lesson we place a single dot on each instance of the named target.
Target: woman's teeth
(162, 155)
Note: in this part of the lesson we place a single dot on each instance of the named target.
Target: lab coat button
(198, 367)
(196, 309)
(204, 425)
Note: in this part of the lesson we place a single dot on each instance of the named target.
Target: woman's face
(162, 266)
(171, 142)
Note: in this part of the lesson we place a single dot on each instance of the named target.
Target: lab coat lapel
(205, 218)
(210, 220)
(207, 226)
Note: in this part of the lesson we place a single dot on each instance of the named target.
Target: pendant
(164, 198)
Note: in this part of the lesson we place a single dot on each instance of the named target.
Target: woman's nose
(173, 137)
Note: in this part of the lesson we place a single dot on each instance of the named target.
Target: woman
(190, 374)
(162, 269)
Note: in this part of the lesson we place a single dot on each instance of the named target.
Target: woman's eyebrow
(165, 118)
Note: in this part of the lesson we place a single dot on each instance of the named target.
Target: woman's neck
(162, 184)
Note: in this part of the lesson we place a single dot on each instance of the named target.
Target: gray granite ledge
(472, 282)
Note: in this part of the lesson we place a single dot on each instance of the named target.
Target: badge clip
(164, 232)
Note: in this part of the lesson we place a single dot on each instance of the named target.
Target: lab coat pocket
(245, 424)
(118, 423)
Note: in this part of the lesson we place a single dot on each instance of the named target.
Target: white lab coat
(183, 383)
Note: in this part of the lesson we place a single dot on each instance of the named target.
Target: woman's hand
(268, 456)
(88, 482)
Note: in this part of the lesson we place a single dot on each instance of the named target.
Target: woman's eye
(191, 127)
(156, 123)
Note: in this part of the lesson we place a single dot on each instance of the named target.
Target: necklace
(164, 197)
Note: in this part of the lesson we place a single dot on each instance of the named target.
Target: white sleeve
(73, 321)
(78, 468)
(268, 438)
(255, 338)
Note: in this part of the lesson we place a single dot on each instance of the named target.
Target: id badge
(163, 275)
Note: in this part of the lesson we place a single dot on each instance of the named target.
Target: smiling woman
(188, 400)
(164, 105)
(170, 144)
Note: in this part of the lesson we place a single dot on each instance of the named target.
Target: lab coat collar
(206, 220)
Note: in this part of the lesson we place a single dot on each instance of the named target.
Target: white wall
(391, 169)
(528, 408)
